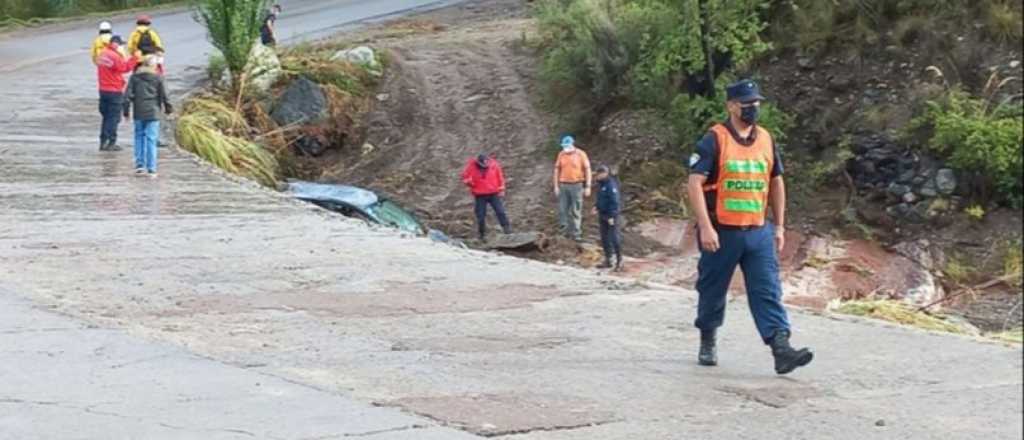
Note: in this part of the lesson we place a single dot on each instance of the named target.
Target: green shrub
(598, 52)
(215, 68)
(979, 139)
(232, 26)
(29, 9)
(1003, 21)
(975, 212)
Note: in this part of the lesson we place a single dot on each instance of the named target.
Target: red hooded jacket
(486, 181)
(111, 68)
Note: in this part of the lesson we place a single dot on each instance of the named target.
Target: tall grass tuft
(216, 133)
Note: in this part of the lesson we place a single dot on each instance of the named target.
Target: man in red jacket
(486, 182)
(110, 69)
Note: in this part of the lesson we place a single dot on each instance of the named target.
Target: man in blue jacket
(608, 207)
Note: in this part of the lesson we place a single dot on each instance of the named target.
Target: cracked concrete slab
(494, 415)
(90, 383)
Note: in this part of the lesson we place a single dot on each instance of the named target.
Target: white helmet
(105, 26)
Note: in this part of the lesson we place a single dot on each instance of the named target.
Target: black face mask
(749, 114)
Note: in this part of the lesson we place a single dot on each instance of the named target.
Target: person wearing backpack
(147, 95)
(145, 39)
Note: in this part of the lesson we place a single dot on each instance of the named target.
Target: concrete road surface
(196, 306)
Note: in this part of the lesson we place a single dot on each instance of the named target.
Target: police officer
(736, 177)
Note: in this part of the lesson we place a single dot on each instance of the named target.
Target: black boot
(787, 358)
(618, 263)
(708, 355)
(606, 265)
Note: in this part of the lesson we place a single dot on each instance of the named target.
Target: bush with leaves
(978, 138)
(232, 27)
(598, 52)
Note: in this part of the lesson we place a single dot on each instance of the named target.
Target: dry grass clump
(898, 312)
(217, 133)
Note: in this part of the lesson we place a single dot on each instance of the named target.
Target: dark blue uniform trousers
(754, 251)
(480, 208)
(110, 109)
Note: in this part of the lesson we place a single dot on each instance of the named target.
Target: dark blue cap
(743, 91)
(116, 39)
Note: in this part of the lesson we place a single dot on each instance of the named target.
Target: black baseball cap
(116, 39)
(743, 91)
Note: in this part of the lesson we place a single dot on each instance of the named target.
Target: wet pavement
(138, 308)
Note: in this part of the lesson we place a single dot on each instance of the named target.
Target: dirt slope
(449, 96)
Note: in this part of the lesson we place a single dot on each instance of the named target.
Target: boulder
(359, 55)
(303, 102)
(945, 181)
(263, 69)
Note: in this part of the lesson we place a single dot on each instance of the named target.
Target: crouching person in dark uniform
(608, 210)
(735, 179)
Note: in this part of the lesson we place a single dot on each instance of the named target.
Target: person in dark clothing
(146, 93)
(267, 35)
(486, 181)
(608, 210)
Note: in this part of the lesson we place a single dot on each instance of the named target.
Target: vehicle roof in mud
(349, 195)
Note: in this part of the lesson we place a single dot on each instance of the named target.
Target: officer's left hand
(780, 239)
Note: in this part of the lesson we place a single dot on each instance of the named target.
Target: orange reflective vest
(744, 173)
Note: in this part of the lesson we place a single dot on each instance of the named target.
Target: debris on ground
(518, 241)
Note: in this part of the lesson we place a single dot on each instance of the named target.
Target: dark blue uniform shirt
(608, 198)
(705, 160)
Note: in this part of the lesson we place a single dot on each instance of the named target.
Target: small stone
(906, 177)
(839, 85)
(928, 191)
(805, 63)
(474, 98)
(368, 148)
(900, 210)
(1014, 64)
(383, 97)
(909, 197)
(898, 190)
(880, 422)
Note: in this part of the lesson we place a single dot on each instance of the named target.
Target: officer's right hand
(709, 240)
(557, 191)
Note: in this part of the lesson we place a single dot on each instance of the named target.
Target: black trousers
(611, 236)
(495, 202)
(110, 109)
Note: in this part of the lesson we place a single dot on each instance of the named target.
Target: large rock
(264, 68)
(359, 55)
(303, 102)
(945, 181)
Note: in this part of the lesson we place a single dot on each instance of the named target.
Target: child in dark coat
(147, 94)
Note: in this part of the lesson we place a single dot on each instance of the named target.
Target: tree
(232, 27)
(711, 36)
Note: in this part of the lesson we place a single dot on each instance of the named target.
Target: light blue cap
(568, 141)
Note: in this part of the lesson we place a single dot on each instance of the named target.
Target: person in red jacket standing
(110, 70)
(486, 181)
